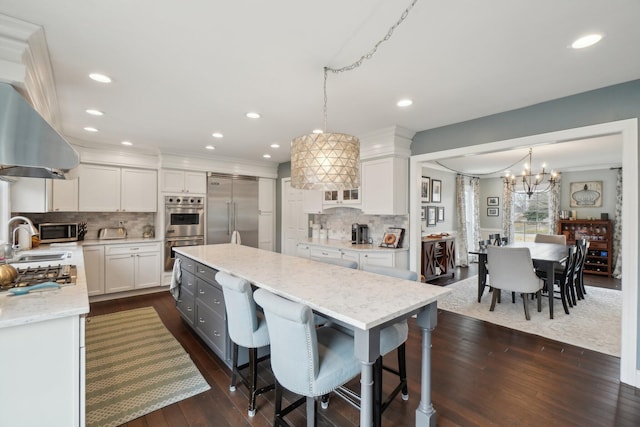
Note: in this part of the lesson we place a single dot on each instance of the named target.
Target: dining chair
(560, 239)
(307, 360)
(246, 330)
(512, 270)
(495, 239)
(583, 247)
(563, 278)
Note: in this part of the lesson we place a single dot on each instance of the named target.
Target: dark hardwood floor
(482, 375)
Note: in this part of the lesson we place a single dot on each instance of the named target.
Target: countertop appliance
(359, 233)
(232, 205)
(184, 225)
(60, 274)
(53, 232)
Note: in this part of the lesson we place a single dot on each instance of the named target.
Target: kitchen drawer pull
(189, 308)
(216, 333)
(201, 320)
(215, 301)
(201, 291)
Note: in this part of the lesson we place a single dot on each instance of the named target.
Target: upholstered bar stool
(305, 359)
(246, 330)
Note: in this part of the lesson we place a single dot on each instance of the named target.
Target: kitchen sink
(37, 257)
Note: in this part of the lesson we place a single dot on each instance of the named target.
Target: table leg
(482, 274)
(367, 350)
(550, 280)
(427, 320)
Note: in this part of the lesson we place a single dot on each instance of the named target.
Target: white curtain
(468, 214)
(617, 229)
(554, 206)
(462, 253)
(507, 212)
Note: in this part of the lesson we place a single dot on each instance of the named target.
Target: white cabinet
(179, 181)
(351, 256)
(114, 189)
(324, 252)
(312, 201)
(266, 217)
(303, 250)
(44, 195)
(383, 259)
(342, 198)
(132, 266)
(42, 373)
(94, 269)
(385, 186)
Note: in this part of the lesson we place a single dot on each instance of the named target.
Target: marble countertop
(347, 245)
(358, 298)
(71, 300)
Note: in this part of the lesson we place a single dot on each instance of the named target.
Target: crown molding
(391, 141)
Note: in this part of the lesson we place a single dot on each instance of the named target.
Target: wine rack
(599, 234)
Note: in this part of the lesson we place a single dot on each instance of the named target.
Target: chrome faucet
(32, 231)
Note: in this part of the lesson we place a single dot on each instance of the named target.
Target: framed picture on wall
(425, 190)
(423, 213)
(431, 216)
(493, 201)
(440, 213)
(587, 194)
(493, 211)
(436, 191)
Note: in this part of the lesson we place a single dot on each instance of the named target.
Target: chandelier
(328, 160)
(529, 183)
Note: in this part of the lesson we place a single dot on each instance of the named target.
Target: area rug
(595, 323)
(134, 366)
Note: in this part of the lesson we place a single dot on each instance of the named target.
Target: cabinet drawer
(188, 282)
(186, 305)
(212, 328)
(210, 295)
(206, 272)
(129, 249)
(316, 252)
(187, 264)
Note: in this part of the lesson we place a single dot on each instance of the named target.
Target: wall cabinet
(341, 198)
(312, 201)
(114, 189)
(134, 266)
(600, 236)
(44, 195)
(94, 269)
(385, 186)
(438, 257)
(179, 181)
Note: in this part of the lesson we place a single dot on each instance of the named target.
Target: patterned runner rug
(594, 323)
(134, 366)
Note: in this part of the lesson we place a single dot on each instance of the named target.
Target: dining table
(545, 256)
(363, 301)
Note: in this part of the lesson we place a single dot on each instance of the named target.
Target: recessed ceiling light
(266, 156)
(253, 115)
(90, 129)
(586, 41)
(126, 143)
(275, 146)
(217, 135)
(210, 147)
(318, 131)
(94, 112)
(100, 78)
(404, 103)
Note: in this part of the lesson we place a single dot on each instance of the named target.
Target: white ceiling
(183, 70)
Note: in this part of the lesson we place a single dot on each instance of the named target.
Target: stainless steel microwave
(52, 232)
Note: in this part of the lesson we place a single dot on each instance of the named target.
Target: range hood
(29, 146)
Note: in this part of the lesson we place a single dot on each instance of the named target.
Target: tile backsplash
(338, 223)
(132, 221)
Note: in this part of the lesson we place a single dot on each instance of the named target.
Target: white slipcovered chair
(512, 270)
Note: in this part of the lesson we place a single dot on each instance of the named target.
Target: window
(530, 216)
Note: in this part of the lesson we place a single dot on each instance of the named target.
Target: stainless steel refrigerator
(232, 204)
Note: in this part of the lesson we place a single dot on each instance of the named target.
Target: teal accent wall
(603, 105)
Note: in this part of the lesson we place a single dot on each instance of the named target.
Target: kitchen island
(42, 362)
(363, 301)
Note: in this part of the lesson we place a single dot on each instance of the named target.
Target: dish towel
(235, 237)
(176, 279)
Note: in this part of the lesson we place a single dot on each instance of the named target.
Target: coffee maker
(359, 233)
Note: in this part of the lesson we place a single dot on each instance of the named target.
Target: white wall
(608, 178)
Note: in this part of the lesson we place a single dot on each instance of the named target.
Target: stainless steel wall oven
(184, 224)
